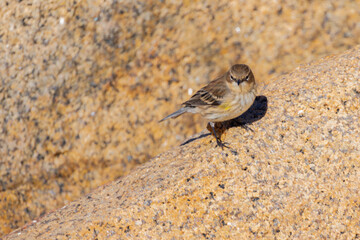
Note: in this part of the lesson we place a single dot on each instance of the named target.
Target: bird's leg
(218, 140)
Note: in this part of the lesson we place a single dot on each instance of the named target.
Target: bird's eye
(247, 78)
(232, 78)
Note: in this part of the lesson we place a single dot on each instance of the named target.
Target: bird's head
(241, 76)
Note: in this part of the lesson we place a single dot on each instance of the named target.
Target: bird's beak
(238, 81)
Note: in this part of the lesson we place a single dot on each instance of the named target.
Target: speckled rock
(83, 83)
(296, 175)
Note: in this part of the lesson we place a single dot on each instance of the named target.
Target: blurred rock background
(84, 83)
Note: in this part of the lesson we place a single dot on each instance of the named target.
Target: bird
(224, 98)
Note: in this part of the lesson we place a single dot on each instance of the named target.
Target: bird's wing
(212, 94)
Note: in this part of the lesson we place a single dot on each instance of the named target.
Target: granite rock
(83, 83)
(296, 175)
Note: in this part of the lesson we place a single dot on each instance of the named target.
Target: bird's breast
(231, 107)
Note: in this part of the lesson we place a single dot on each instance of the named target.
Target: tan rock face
(82, 84)
(296, 175)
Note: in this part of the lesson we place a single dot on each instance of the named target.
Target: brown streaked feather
(211, 94)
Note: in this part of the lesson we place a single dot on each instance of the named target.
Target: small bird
(224, 98)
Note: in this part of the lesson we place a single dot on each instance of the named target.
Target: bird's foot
(221, 144)
(217, 130)
(246, 127)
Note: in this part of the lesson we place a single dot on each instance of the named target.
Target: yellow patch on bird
(225, 106)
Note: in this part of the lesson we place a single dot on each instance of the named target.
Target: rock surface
(83, 83)
(296, 175)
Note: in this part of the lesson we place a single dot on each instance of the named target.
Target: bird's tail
(175, 114)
